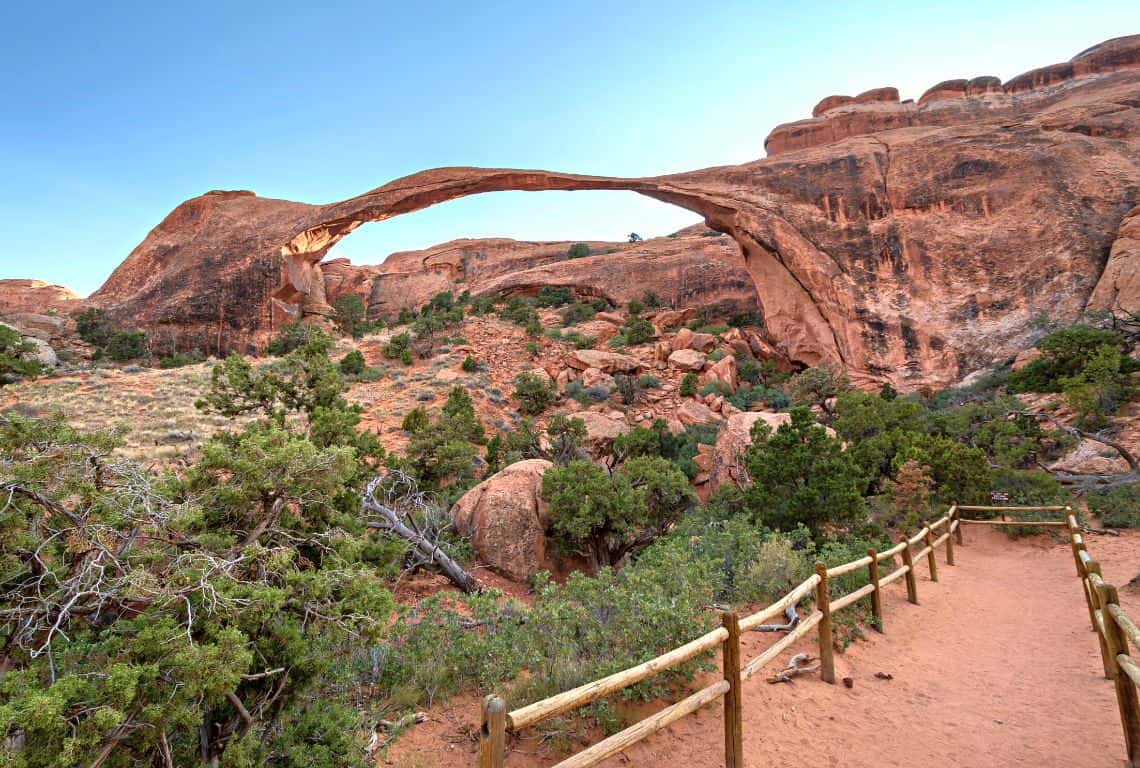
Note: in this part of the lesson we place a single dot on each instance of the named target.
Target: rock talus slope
(906, 241)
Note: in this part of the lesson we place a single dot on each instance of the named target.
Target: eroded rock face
(916, 255)
(35, 297)
(506, 520)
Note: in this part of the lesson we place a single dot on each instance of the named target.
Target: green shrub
(416, 420)
(638, 330)
(93, 326)
(550, 296)
(127, 345)
(802, 476)
(352, 364)
(578, 313)
(469, 365)
(578, 251)
(1065, 354)
(532, 348)
(348, 315)
(717, 355)
(716, 388)
(399, 347)
(635, 307)
(714, 329)
(746, 319)
(651, 300)
(16, 357)
(599, 304)
(533, 393)
(482, 305)
(180, 360)
(648, 381)
(575, 391)
(1118, 507)
(688, 385)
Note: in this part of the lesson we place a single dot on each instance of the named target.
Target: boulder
(723, 371)
(42, 327)
(602, 429)
(610, 362)
(703, 342)
(733, 440)
(687, 360)
(610, 317)
(692, 412)
(667, 319)
(662, 350)
(595, 377)
(682, 339)
(506, 520)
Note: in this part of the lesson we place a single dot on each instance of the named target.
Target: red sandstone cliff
(909, 241)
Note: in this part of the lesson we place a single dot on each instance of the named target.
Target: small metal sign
(999, 496)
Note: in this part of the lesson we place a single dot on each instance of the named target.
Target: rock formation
(36, 297)
(506, 520)
(905, 241)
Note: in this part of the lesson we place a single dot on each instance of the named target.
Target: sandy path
(995, 667)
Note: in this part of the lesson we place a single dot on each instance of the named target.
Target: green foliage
(180, 360)
(648, 381)
(603, 516)
(534, 393)
(127, 345)
(635, 307)
(520, 311)
(352, 364)
(567, 436)
(234, 581)
(634, 237)
(638, 330)
(1103, 385)
(657, 440)
(289, 337)
(802, 476)
(688, 385)
(1064, 355)
(746, 319)
(348, 315)
(16, 359)
(817, 387)
(651, 300)
(399, 347)
(578, 251)
(444, 453)
(416, 420)
(482, 305)
(1118, 507)
(550, 296)
(93, 326)
(469, 365)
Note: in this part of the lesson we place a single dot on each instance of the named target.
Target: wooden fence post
(1126, 696)
(931, 560)
(876, 597)
(826, 638)
(950, 540)
(1074, 532)
(957, 516)
(733, 704)
(911, 583)
(1095, 605)
(493, 734)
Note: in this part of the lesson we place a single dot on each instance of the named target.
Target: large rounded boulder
(506, 520)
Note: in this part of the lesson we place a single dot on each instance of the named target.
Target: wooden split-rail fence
(498, 722)
(1117, 633)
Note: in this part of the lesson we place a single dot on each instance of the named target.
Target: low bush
(578, 251)
(352, 364)
(534, 393)
(550, 296)
(578, 313)
(1117, 508)
(689, 385)
(399, 347)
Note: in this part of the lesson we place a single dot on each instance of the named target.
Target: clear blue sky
(115, 112)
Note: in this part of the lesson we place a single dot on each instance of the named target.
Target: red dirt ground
(997, 666)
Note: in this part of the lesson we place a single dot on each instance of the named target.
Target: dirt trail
(996, 666)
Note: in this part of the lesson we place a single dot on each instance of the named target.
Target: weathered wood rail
(498, 723)
(1116, 633)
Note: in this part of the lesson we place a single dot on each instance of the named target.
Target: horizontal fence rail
(498, 723)
(1116, 633)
